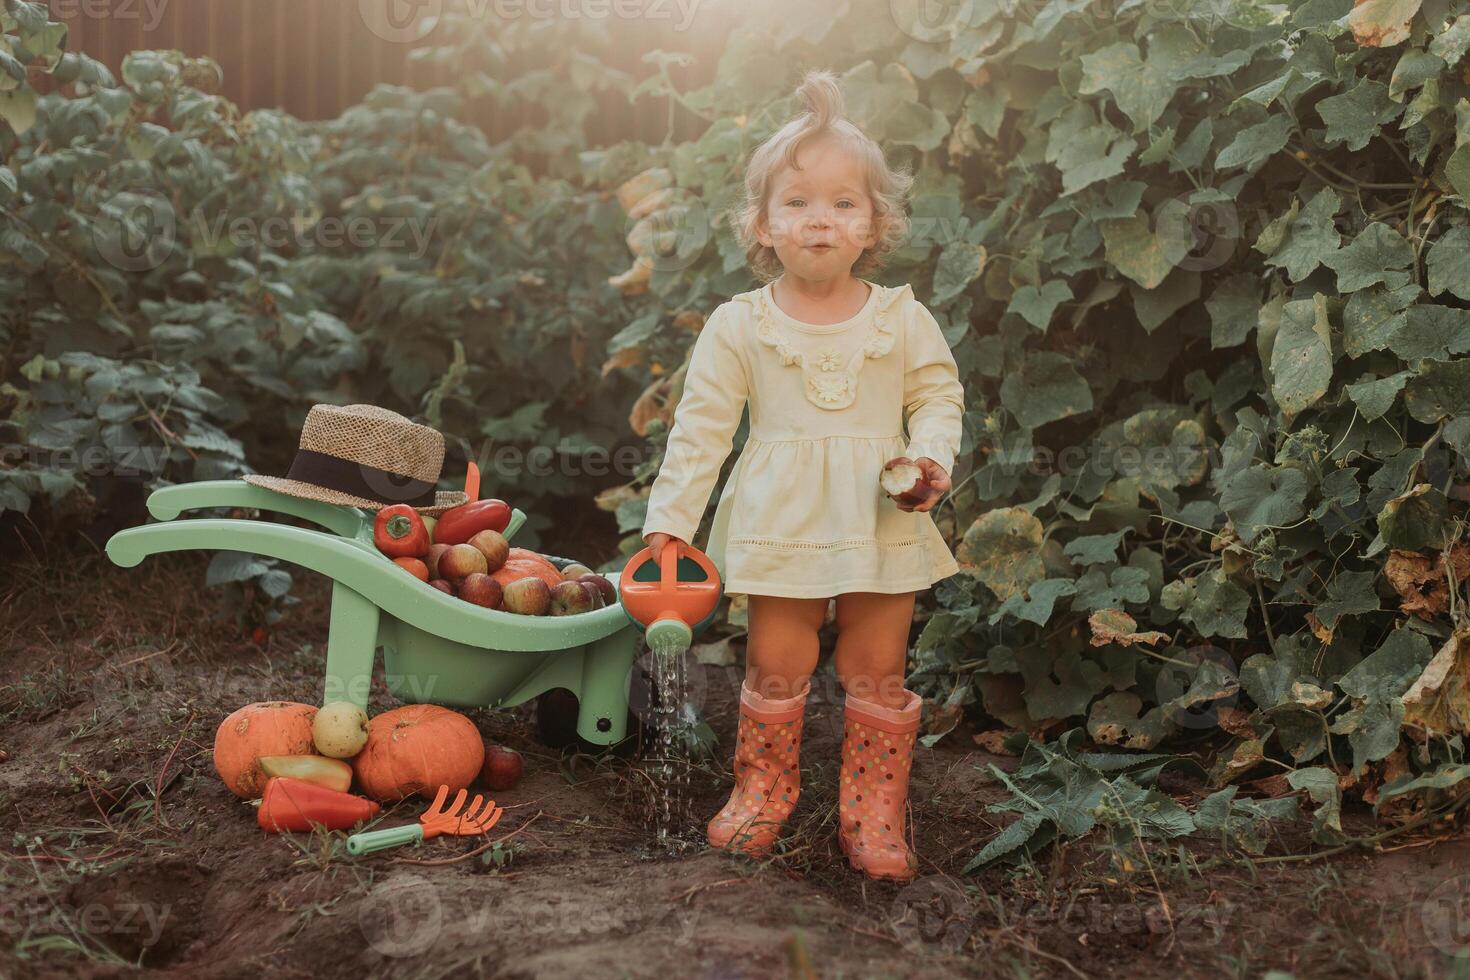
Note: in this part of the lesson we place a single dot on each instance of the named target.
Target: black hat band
(359, 479)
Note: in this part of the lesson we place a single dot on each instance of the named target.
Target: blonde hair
(822, 115)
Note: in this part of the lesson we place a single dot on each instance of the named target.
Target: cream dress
(802, 514)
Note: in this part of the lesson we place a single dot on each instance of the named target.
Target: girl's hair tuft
(823, 99)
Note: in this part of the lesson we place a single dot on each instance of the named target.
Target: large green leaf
(1378, 255)
(1299, 242)
(1263, 497)
(1301, 360)
(1441, 390)
(1449, 257)
(1139, 88)
(1255, 145)
(1135, 250)
(959, 265)
(1037, 305)
(1354, 117)
(1045, 389)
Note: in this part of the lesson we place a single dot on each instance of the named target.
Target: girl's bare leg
(872, 644)
(781, 650)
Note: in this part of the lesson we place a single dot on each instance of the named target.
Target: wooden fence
(315, 58)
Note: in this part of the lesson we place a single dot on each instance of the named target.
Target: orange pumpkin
(416, 749)
(263, 729)
(522, 563)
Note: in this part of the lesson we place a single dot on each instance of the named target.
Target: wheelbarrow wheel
(556, 720)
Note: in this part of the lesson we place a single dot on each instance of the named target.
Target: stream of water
(671, 811)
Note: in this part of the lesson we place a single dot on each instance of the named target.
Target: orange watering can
(673, 599)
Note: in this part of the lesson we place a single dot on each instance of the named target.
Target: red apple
(503, 767)
(904, 481)
(442, 585)
(480, 589)
(528, 596)
(493, 546)
(435, 553)
(603, 586)
(459, 561)
(570, 598)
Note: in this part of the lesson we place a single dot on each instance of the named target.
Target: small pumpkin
(522, 563)
(262, 729)
(416, 749)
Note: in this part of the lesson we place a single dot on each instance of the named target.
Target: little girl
(830, 364)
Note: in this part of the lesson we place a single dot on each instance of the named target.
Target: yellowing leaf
(1003, 549)
(1116, 626)
(1382, 23)
(1439, 701)
(1135, 251)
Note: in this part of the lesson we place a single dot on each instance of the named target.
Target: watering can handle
(668, 564)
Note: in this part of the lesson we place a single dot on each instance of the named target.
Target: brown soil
(120, 848)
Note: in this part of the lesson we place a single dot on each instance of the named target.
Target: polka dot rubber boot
(877, 753)
(767, 773)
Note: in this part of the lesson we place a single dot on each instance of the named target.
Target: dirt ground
(121, 851)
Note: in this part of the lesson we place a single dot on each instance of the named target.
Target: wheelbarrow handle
(370, 841)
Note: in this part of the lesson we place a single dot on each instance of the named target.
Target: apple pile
(464, 554)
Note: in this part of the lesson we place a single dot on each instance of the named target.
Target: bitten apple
(904, 481)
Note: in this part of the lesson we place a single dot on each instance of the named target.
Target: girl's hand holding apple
(915, 485)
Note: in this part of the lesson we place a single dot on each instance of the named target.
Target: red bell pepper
(399, 532)
(295, 804)
(459, 524)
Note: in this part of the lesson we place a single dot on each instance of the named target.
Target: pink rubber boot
(877, 753)
(767, 772)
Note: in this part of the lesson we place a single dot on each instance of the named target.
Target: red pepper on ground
(295, 804)
(458, 525)
(399, 532)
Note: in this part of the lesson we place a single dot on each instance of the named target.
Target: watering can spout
(673, 598)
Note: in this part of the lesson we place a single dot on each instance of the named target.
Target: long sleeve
(933, 396)
(715, 391)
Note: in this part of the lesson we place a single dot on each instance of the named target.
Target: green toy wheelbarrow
(436, 648)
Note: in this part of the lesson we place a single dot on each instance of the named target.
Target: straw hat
(366, 456)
